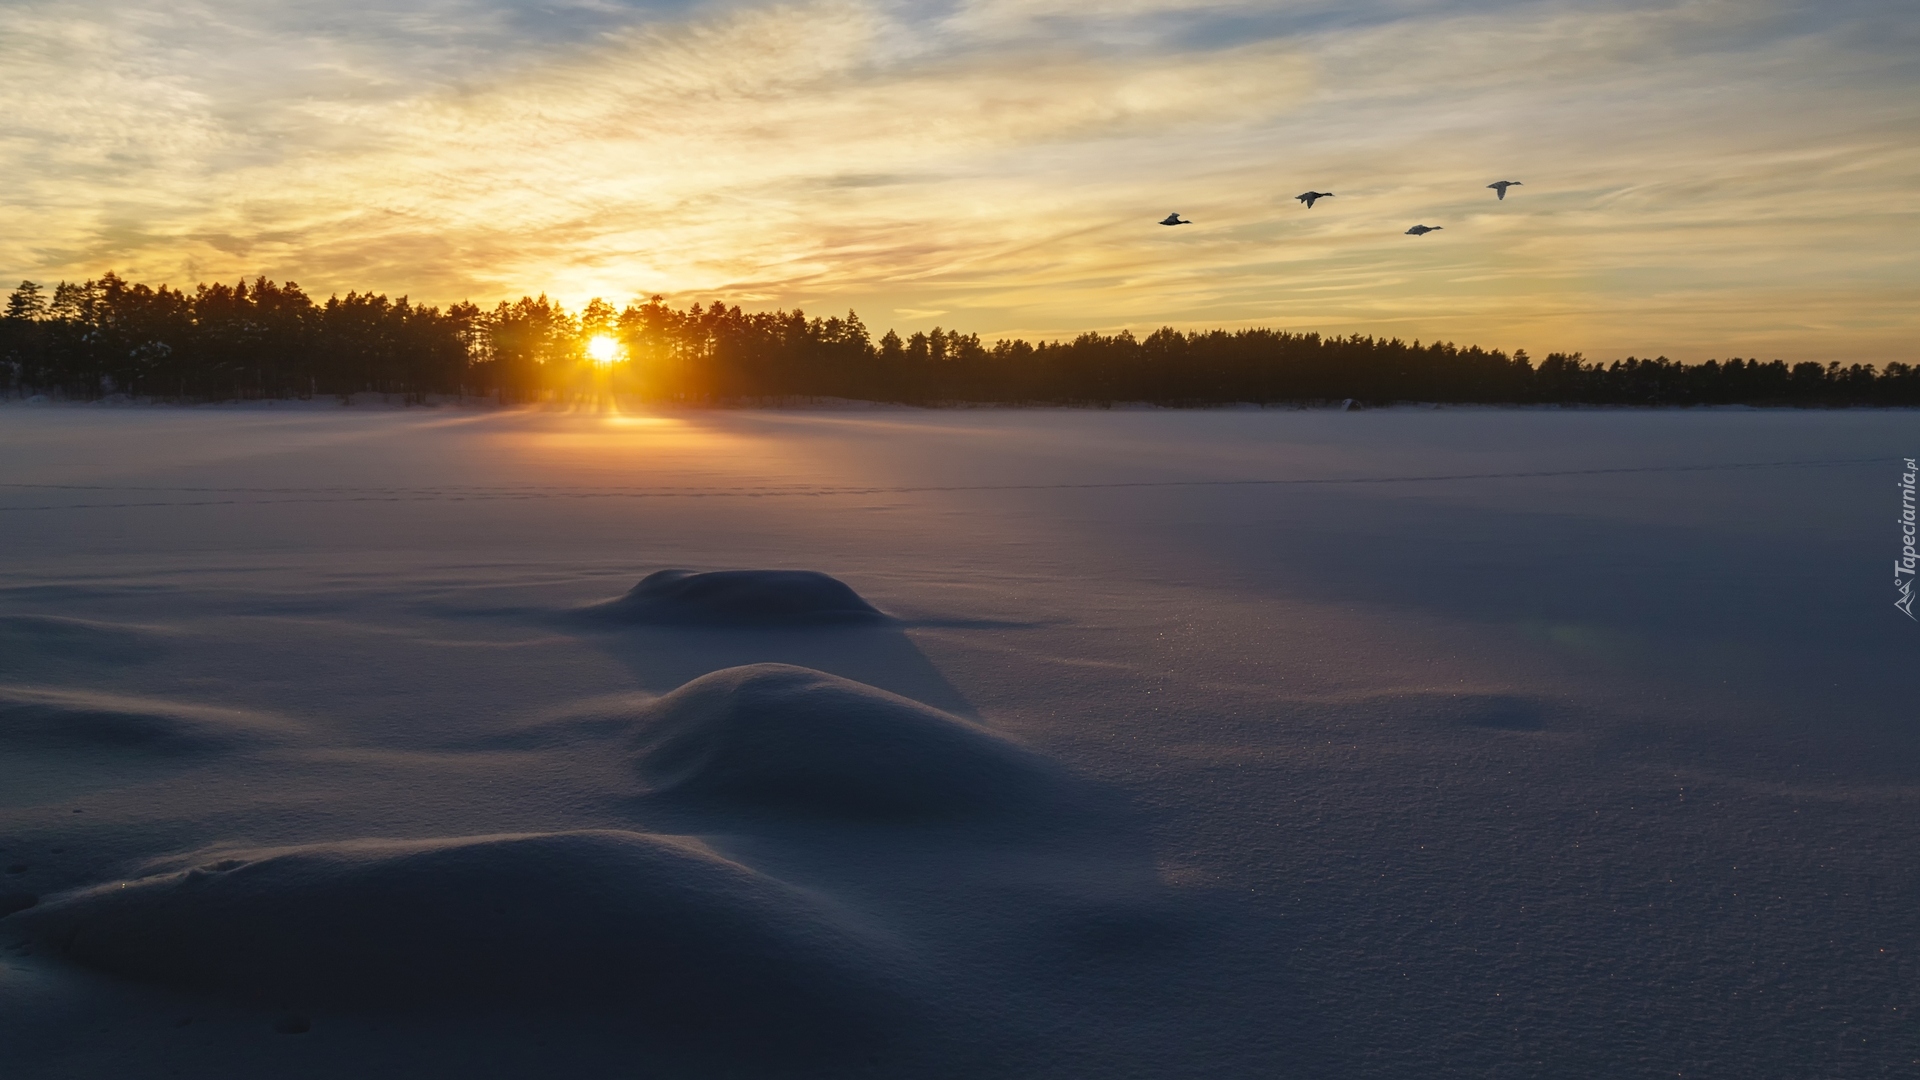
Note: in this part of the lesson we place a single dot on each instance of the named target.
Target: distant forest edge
(90, 339)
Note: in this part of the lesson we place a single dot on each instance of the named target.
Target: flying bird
(1308, 197)
(1422, 230)
(1500, 187)
(1174, 219)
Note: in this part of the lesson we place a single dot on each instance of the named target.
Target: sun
(603, 349)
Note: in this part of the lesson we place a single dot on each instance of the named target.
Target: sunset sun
(602, 349)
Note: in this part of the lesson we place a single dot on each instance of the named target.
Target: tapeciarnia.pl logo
(1903, 566)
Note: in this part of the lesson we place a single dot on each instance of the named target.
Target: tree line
(260, 339)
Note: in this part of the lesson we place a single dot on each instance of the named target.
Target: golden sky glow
(1704, 178)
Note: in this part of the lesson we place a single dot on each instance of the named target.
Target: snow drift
(47, 719)
(779, 737)
(659, 927)
(737, 598)
(34, 641)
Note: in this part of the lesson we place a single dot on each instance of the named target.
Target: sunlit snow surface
(1242, 743)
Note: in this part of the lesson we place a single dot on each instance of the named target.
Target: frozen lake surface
(1403, 743)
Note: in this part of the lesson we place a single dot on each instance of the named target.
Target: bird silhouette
(1174, 219)
(1500, 187)
(1309, 196)
(1422, 230)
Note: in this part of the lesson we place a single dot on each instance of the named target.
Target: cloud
(1001, 161)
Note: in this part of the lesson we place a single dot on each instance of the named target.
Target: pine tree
(26, 304)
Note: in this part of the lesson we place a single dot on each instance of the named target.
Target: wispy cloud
(1701, 178)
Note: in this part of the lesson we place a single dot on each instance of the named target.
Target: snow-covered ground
(1403, 743)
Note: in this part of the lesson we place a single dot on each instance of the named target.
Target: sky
(1702, 178)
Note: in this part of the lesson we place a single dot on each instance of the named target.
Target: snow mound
(656, 927)
(43, 718)
(795, 739)
(738, 598)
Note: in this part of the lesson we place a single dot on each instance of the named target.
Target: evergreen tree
(262, 339)
(26, 304)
